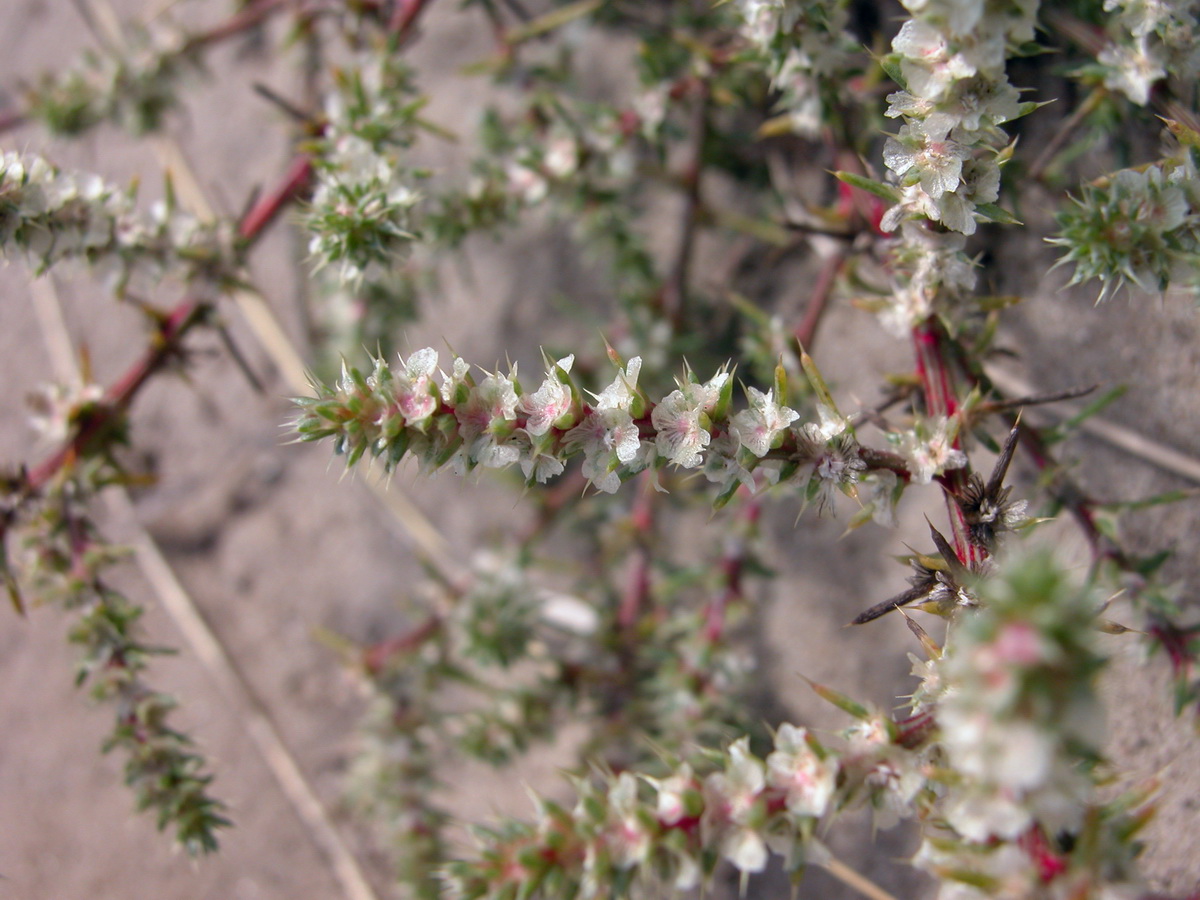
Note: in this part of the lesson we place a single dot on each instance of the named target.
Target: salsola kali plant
(732, 113)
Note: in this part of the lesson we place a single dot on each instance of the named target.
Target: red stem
(637, 588)
(265, 211)
(733, 565)
(117, 398)
(818, 302)
(941, 399)
(405, 15)
(11, 120)
(251, 15)
(166, 342)
(377, 656)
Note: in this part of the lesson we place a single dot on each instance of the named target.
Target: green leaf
(1153, 500)
(1064, 428)
(552, 20)
(890, 63)
(878, 188)
(841, 701)
(994, 213)
(821, 389)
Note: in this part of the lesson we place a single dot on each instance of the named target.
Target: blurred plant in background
(736, 112)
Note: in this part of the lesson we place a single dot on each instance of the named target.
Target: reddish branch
(733, 566)
(818, 301)
(165, 344)
(405, 16)
(939, 384)
(262, 213)
(675, 291)
(637, 588)
(252, 15)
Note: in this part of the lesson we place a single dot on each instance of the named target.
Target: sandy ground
(270, 543)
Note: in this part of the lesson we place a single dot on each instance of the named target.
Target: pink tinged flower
(416, 397)
(489, 405)
(527, 184)
(682, 420)
(456, 381)
(796, 769)
(673, 796)
(758, 427)
(721, 466)
(549, 402)
(733, 808)
(485, 421)
(1132, 70)
(937, 164)
(682, 426)
(562, 157)
(609, 438)
(735, 792)
(914, 204)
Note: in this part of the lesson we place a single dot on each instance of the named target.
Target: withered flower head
(986, 507)
(935, 589)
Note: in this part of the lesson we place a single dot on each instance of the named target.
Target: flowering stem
(167, 340)
(941, 400)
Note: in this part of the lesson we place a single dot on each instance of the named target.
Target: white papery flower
(1132, 69)
(929, 450)
(758, 426)
(619, 394)
(927, 63)
(608, 437)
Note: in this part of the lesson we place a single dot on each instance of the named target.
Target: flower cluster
(362, 206)
(808, 52)
(949, 59)
(451, 419)
(1150, 39)
(999, 758)
(51, 216)
(1138, 228)
(132, 85)
(1020, 724)
(929, 448)
(70, 566)
(670, 833)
